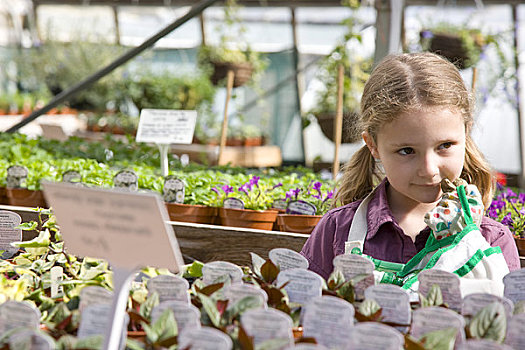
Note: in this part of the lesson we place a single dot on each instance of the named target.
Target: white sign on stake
(516, 332)
(8, 233)
(352, 265)
(474, 302)
(287, 259)
(374, 336)
(514, 282)
(185, 314)
(169, 287)
(30, 339)
(235, 292)
(205, 338)
(435, 318)
(213, 270)
(15, 314)
(394, 302)
(303, 284)
(447, 282)
(166, 126)
(90, 295)
(266, 324)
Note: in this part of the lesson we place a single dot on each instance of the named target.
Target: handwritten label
(516, 332)
(127, 180)
(94, 320)
(514, 282)
(16, 314)
(233, 203)
(266, 324)
(301, 208)
(448, 282)
(303, 285)
(57, 275)
(29, 339)
(473, 303)
(435, 318)
(394, 302)
(205, 338)
(8, 233)
(16, 176)
(374, 336)
(128, 229)
(236, 292)
(186, 315)
(353, 265)
(173, 190)
(170, 287)
(483, 344)
(328, 319)
(94, 295)
(71, 176)
(215, 269)
(166, 126)
(287, 259)
(280, 204)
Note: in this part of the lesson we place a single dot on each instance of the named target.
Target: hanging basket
(242, 72)
(326, 122)
(452, 48)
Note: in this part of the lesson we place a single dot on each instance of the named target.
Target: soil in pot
(258, 219)
(297, 223)
(26, 198)
(199, 214)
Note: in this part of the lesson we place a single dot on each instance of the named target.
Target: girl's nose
(429, 166)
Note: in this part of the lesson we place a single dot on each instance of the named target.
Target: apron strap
(464, 204)
(358, 228)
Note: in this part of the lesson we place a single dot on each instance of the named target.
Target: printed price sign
(126, 179)
(233, 203)
(16, 176)
(166, 126)
(301, 208)
(8, 233)
(170, 287)
(287, 259)
(173, 190)
(303, 285)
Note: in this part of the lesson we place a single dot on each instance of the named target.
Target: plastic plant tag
(8, 233)
(280, 204)
(303, 285)
(435, 318)
(328, 319)
(236, 292)
(287, 259)
(301, 208)
(353, 265)
(267, 324)
(94, 321)
(16, 176)
(233, 203)
(186, 315)
(16, 314)
(170, 287)
(447, 282)
(173, 190)
(30, 339)
(205, 338)
(94, 295)
(71, 176)
(514, 282)
(166, 126)
(306, 346)
(516, 332)
(473, 303)
(57, 275)
(483, 344)
(374, 336)
(126, 180)
(216, 269)
(394, 302)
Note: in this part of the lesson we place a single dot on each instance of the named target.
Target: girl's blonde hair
(399, 84)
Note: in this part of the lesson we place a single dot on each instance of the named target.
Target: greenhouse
(262, 174)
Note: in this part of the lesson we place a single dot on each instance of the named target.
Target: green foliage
(489, 323)
(443, 339)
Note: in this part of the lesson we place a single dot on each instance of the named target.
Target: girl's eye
(406, 151)
(445, 145)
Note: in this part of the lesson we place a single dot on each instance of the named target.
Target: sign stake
(224, 130)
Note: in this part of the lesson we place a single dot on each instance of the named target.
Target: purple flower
(293, 193)
(216, 190)
(493, 213)
(329, 194)
(499, 187)
(278, 185)
(243, 189)
(317, 186)
(254, 181)
(227, 189)
(521, 197)
(427, 34)
(507, 220)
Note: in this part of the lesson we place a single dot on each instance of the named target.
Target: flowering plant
(313, 194)
(508, 207)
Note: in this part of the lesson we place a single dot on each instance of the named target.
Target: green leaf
(133, 344)
(413, 344)
(336, 279)
(257, 263)
(195, 269)
(28, 226)
(269, 271)
(443, 339)
(273, 344)
(434, 297)
(369, 307)
(93, 342)
(489, 323)
(211, 309)
(166, 326)
(41, 241)
(346, 291)
(246, 303)
(519, 307)
(147, 306)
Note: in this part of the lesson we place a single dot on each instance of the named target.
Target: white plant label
(306, 346)
(94, 295)
(266, 324)
(233, 203)
(29, 339)
(435, 318)
(170, 287)
(375, 336)
(16, 176)
(173, 190)
(215, 269)
(301, 208)
(328, 319)
(186, 315)
(126, 179)
(8, 233)
(205, 338)
(287, 259)
(72, 176)
(236, 292)
(473, 303)
(515, 285)
(394, 302)
(166, 126)
(57, 275)
(352, 265)
(448, 282)
(15, 314)
(483, 344)
(516, 332)
(94, 321)
(280, 204)
(303, 285)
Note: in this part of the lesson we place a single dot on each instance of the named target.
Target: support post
(338, 122)
(388, 27)
(224, 129)
(521, 122)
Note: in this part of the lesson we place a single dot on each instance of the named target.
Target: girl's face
(419, 149)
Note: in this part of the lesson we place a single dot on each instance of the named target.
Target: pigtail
(359, 178)
(477, 171)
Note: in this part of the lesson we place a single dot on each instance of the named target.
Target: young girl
(416, 118)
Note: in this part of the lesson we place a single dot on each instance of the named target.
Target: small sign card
(186, 315)
(29, 339)
(266, 324)
(447, 281)
(126, 180)
(170, 287)
(71, 176)
(516, 332)
(280, 204)
(166, 126)
(233, 203)
(215, 269)
(352, 265)
(301, 208)
(328, 319)
(473, 303)
(514, 282)
(94, 320)
(15, 314)
(57, 275)
(374, 336)
(94, 295)
(303, 285)
(394, 302)
(8, 233)
(16, 176)
(483, 344)
(205, 338)
(435, 318)
(236, 292)
(287, 259)
(306, 346)
(173, 190)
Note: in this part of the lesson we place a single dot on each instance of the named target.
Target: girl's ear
(370, 143)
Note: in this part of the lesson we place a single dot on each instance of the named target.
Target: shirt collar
(378, 212)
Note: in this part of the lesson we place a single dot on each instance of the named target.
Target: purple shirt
(385, 239)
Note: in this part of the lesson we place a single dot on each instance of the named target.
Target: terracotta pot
(232, 141)
(3, 196)
(26, 198)
(199, 214)
(297, 223)
(258, 219)
(242, 72)
(253, 141)
(520, 243)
